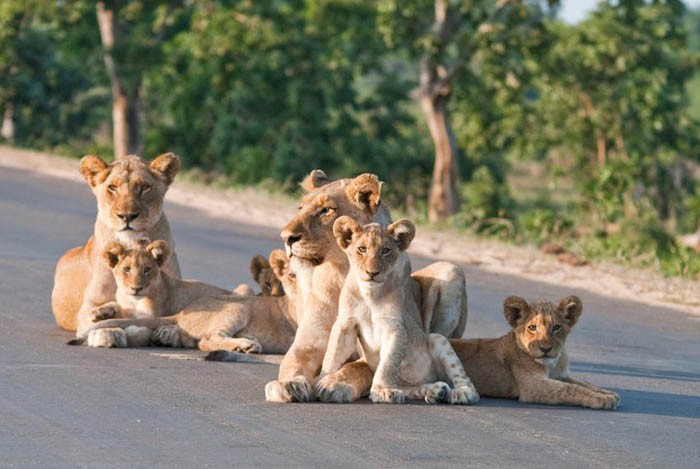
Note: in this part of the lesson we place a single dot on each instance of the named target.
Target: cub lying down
(377, 306)
(530, 362)
(207, 317)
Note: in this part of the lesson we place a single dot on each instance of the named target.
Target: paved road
(76, 406)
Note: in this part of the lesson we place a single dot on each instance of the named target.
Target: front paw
(602, 401)
(437, 392)
(380, 395)
(332, 389)
(107, 338)
(167, 335)
(294, 390)
(464, 395)
(103, 312)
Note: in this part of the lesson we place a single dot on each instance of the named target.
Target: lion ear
(279, 262)
(159, 251)
(113, 251)
(515, 309)
(571, 308)
(94, 169)
(402, 231)
(314, 180)
(345, 229)
(166, 166)
(365, 191)
(257, 264)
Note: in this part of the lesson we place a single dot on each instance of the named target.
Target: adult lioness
(129, 195)
(530, 362)
(207, 316)
(321, 266)
(378, 307)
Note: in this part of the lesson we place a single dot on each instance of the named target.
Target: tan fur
(530, 362)
(320, 267)
(127, 187)
(207, 317)
(377, 306)
(265, 277)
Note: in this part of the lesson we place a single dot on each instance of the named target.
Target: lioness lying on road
(378, 306)
(530, 362)
(207, 317)
(129, 195)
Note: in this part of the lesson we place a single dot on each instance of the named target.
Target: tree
(444, 48)
(132, 34)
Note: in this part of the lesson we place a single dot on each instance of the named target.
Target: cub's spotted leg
(550, 391)
(449, 366)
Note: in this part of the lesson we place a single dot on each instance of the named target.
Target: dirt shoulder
(258, 208)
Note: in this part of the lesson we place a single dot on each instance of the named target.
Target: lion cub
(378, 306)
(530, 362)
(207, 317)
(264, 276)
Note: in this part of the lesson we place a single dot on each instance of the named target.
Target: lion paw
(437, 392)
(331, 389)
(603, 401)
(247, 346)
(387, 396)
(107, 338)
(294, 390)
(167, 335)
(463, 395)
(103, 312)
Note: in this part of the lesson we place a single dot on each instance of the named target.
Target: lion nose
(136, 289)
(128, 217)
(290, 238)
(545, 350)
(372, 274)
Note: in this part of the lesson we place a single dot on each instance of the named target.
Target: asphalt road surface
(63, 406)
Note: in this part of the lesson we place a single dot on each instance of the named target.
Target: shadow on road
(639, 372)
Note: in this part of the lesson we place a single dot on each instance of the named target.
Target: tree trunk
(125, 108)
(8, 123)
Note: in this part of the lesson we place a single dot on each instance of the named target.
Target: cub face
(130, 191)
(281, 267)
(137, 270)
(372, 250)
(540, 327)
(309, 235)
(265, 277)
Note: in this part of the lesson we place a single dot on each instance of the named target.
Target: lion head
(309, 235)
(137, 269)
(130, 191)
(541, 328)
(373, 251)
(281, 267)
(264, 276)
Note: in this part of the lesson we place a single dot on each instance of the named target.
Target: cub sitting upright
(378, 306)
(530, 362)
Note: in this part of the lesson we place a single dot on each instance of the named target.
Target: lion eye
(386, 251)
(325, 211)
(112, 188)
(362, 249)
(146, 270)
(292, 276)
(268, 284)
(126, 270)
(556, 328)
(532, 328)
(145, 188)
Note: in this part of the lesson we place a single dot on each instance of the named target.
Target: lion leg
(106, 311)
(348, 384)
(231, 344)
(589, 386)
(550, 391)
(113, 337)
(449, 366)
(297, 371)
(138, 336)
